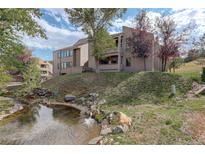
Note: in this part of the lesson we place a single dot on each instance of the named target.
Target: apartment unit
(121, 59)
(114, 60)
(46, 69)
(71, 59)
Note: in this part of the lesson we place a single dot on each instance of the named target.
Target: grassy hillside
(190, 70)
(174, 122)
(146, 86)
(119, 87)
(84, 83)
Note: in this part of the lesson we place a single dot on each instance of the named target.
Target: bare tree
(143, 22)
(140, 41)
(171, 39)
(140, 44)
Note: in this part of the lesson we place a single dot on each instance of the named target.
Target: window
(128, 62)
(67, 53)
(64, 65)
(59, 54)
(64, 53)
(71, 53)
(68, 64)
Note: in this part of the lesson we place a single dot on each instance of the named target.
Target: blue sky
(61, 33)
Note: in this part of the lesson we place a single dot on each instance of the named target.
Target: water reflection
(66, 115)
(46, 125)
(30, 115)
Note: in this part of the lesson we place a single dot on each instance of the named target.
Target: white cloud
(118, 23)
(184, 16)
(130, 22)
(58, 14)
(57, 37)
(62, 37)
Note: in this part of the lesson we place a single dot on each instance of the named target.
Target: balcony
(109, 63)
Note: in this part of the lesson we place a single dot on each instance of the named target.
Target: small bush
(168, 122)
(203, 75)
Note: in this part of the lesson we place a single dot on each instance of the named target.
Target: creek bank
(110, 122)
(16, 107)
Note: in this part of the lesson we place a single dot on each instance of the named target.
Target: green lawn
(178, 123)
(190, 70)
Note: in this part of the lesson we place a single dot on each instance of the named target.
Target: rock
(93, 107)
(120, 129)
(93, 97)
(82, 99)
(106, 131)
(95, 140)
(104, 123)
(69, 98)
(93, 94)
(110, 118)
(42, 92)
(123, 118)
(100, 102)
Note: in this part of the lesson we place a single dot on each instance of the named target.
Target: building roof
(85, 40)
(81, 41)
(65, 48)
(116, 34)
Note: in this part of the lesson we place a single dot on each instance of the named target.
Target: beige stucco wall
(91, 58)
(83, 54)
(80, 55)
(57, 60)
(137, 64)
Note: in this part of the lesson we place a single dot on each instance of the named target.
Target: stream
(39, 124)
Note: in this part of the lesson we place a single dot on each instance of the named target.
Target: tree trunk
(97, 65)
(162, 64)
(165, 65)
(145, 69)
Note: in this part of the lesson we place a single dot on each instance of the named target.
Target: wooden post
(173, 90)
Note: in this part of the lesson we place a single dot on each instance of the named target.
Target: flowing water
(45, 125)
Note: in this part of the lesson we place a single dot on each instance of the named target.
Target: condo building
(76, 58)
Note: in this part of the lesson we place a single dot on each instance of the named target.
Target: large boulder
(42, 92)
(122, 118)
(120, 129)
(69, 98)
(106, 131)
